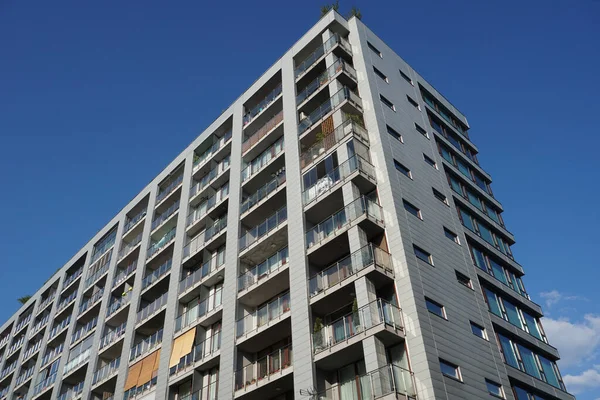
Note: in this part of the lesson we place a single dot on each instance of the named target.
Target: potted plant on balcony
(355, 316)
(317, 334)
(319, 140)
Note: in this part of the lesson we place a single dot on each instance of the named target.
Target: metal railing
(8, 369)
(151, 308)
(78, 361)
(16, 345)
(113, 336)
(133, 221)
(146, 345)
(52, 354)
(262, 160)
(340, 330)
(208, 205)
(265, 367)
(203, 237)
(156, 274)
(32, 349)
(45, 384)
(262, 192)
(262, 105)
(324, 78)
(320, 52)
(72, 392)
(271, 223)
(25, 375)
(123, 274)
(329, 105)
(208, 153)
(192, 315)
(262, 132)
(128, 247)
(162, 242)
(117, 304)
(4, 340)
(199, 352)
(210, 176)
(104, 372)
(66, 301)
(165, 215)
(164, 192)
(94, 276)
(262, 316)
(47, 301)
(23, 322)
(342, 218)
(263, 269)
(208, 392)
(348, 266)
(84, 330)
(38, 325)
(58, 328)
(72, 278)
(96, 297)
(206, 269)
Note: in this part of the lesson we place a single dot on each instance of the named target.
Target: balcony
(263, 193)
(113, 336)
(146, 345)
(4, 340)
(59, 328)
(170, 188)
(48, 300)
(204, 237)
(265, 370)
(161, 243)
(133, 221)
(8, 370)
(155, 275)
(89, 303)
(202, 353)
(23, 323)
(270, 126)
(117, 305)
(122, 275)
(77, 362)
(207, 392)
(216, 177)
(127, 248)
(84, 330)
(192, 316)
(262, 105)
(15, 346)
(44, 385)
(106, 372)
(73, 392)
(205, 208)
(339, 99)
(71, 278)
(96, 275)
(165, 216)
(323, 79)
(262, 319)
(390, 380)
(320, 52)
(202, 159)
(54, 353)
(32, 350)
(66, 302)
(39, 325)
(256, 234)
(24, 376)
(151, 309)
(263, 160)
(273, 270)
(202, 274)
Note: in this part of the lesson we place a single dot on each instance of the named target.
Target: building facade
(330, 236)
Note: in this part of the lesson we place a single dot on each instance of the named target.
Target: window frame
(430, 161)
(413, 102)
(380, 74)
(421, 130)
(406, 77)
(483, 335)
(440, 196)
(442, 313)
(374, 49)
(394, 133)
(428, 256)
(501, 394)
(463, 279)
(457, 376)
(402, 169)
(451, 235)
(386, 102)
(412, 209)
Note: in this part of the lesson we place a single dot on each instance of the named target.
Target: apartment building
(331, 235)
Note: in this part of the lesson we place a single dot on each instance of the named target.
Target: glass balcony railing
(112, 336)
(208, 205)
(8, 369)
(323, 79)
(55, 352)
(72, 392)
(122, 274)
(208, 153)
(339, 174)
(345, 129)
(264, 103)
(253, 235)
(94, 276)
(4, 393)
(262, 132)
(206, 269)
(38, 325)
(262, 193)
(162, 242)
(58, 328)
(4, 340)
(164, 192)
(165, 215)
(208, 392)
(259, 162)
(329, 105)
(24, 376)
(209, 177)
(343, 218)
(263, 269)
(320, 52)
(71, 278)
(66, 301)
(151, 308)
(205, 236)
(131, 222)
(87, 303)
(349, 266)
(264, 368)
(44, 384)
(84, 330)
(47, 301)
(156, 274)
(146, 345)
(389, 379)
(198, 311)
(16, 345)
(128, 247)
(23, 322)
(106, 371)
(262, 316)
(118, 303)
(32, 349)
(201, 351)
(375, 313)
(78, 361)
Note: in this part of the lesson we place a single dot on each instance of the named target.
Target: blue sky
(95, 99)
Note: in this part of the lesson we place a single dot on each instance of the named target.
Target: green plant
(355, 306)
(356, 118)
(328, 7)
(354, 12)
(318, 325)
(320, 137)
(24, 299)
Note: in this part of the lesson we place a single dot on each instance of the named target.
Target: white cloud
(554, 297)
(588, 379)
(577, 342)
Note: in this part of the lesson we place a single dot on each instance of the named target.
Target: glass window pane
(513, 314)
(463, 169)
(508, 351)
(529, 361)
(474, 200)
(493, 302)
(467, 222)
(548, 368)
(435, 308)
(479, 259)
(532, 325)
(498, 272)
(449, 370)
(486, 234)
(521, 393)
(455, 186)
(494, 388)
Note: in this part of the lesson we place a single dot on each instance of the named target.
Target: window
(450, 370)
(463, 279)
(494, 389)
(406, 77)
(478, 330)
(405, 171)
(440, 196)
(429, 161)
(374, 49)
(423, 255)
(380, 74)
(435, 308)
(394, 134)
(486, 263)
(387, 102)
(412, 102)
(422, 131)
(451, 235)
(412, 209)
(522, 394)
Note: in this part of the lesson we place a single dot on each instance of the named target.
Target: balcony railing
(146, 345)
(117, 304)
(62, 325)
(32, 349)
(151, 308)
(93, 277)
(25, 375)
(205, 236)
(8, 369)
(202, 350)
(106, 371)
(271, 223)
(262, 132)
(192, 315)
(332, 103)
(66, 301)
(164, 192)
(208, 153)
(84, 330)
(165, 215)
(346, 128)
(375, 313)
(72, 392)
(343, 218)
(45, 384)
(262, 193)
(4, 340)
(123, 274)
(162, 242)
(156, 274)
(78, 361)
(38, 325)
(264, 103)
(348, 266)
(127, 247)
(206, 269)
(72, 278)
(96, 297)
(52, 354)
(263, 270)
(320, 52)
(207, 392)
(262, 316)
(133, 221)
(16, 345)
(23, 322)
(112, 336)
(339, 174)
(275, 363)
(389, 379)
(205, 181)
(208, 205)
(324, 78)
(47, 301)
(259, 162)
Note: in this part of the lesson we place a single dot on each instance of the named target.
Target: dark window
(403, 169)
(387, 102)
(463, 280)
(451, 235)
(429, 161)
(478, 330)
(435, 308)
(374, 49)
(449, 369)
(412, 209)
(406, 77)
(423, 255)
(412, 102)
(494, 389)
(394, 134)
(440, 196)
(380, 74)
(422, 131)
